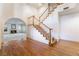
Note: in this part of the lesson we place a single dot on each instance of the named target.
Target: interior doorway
(14, 29)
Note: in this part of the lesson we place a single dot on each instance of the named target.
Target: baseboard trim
(69, 41)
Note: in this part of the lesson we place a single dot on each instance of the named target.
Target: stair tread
(45, 34)
(42, 31)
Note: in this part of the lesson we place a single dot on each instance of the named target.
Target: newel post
(48, 8)
(39, 21)
(50, 37)
(33, 20)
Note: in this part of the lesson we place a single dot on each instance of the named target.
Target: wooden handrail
(48, 8)
(43, 13)
(36, 19)
(42, 23)
(46, 26)
(49, 11)
(30, 17)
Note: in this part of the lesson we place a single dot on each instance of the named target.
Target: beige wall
(8, 11)
(5, 14)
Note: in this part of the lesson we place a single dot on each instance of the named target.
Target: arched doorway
(14, 29)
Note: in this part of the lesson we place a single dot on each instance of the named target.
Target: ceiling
(70, 11)
(37, 5)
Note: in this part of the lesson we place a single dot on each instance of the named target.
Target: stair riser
(45, 35)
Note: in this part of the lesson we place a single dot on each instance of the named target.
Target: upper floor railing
(51, 7)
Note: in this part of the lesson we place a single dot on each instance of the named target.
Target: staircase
(48, 11)
(37, 22)
(45, 34)
(40, 27)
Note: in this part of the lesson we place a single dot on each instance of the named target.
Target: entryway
(14, 29)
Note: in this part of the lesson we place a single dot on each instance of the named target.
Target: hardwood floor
(34, 48)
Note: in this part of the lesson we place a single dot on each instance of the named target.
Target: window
(21, 28)
(13, 26)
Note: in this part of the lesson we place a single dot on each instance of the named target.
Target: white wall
(69, 27)
(36, 35)
(53, 22)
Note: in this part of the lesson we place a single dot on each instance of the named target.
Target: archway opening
(14, 29)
